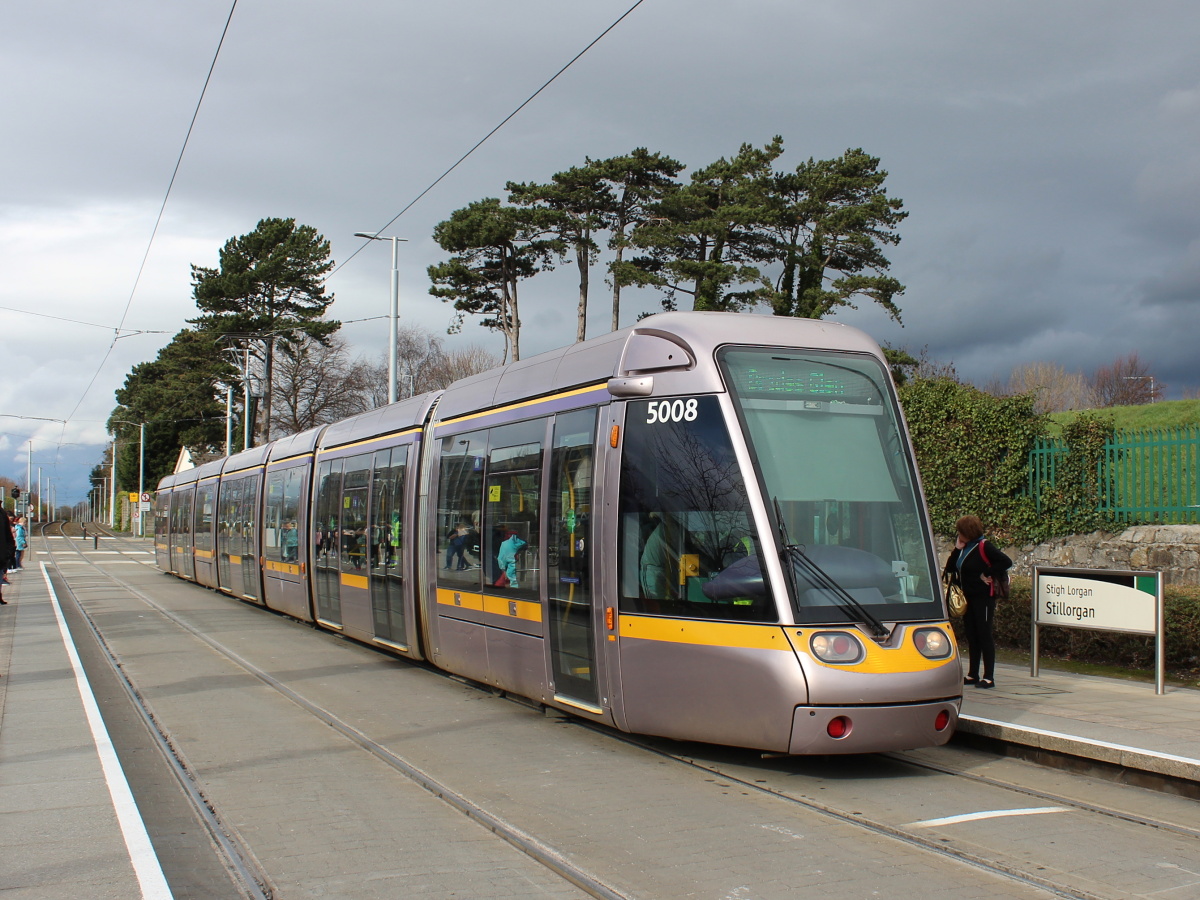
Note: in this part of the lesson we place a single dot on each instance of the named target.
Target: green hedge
(972, 449)
(1181, 613)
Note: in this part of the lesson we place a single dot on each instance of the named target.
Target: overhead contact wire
(485, 138)
(162, 208)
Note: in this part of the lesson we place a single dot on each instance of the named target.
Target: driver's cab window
(687, 543)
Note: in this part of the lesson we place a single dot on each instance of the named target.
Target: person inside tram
(659, 561)
(471, 541)
(507, 558)
(456, 546)
(289, 542)
(393, 540)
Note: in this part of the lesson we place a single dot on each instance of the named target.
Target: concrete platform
(68, 829)
(1104, 720)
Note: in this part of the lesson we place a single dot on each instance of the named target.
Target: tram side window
(687, 544)
(273, 517)
(387, 525)
(459, 510)
(329, 493)
(162, 507)
(512, 509)
(325, 532)
(237, 516)
(353, 538)
(293, 526)
(245, 514)
(231, 501)
(204, 516)
(182, 521)
(281, 528)
(228, 497)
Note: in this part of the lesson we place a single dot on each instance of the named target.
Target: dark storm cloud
(1047, 152)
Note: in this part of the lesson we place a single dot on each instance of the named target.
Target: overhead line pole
(394, 315)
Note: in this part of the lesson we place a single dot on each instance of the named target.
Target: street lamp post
(112, 498)
(394, 317)
(99, 487)
(141, 466)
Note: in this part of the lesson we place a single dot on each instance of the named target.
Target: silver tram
(706, 527)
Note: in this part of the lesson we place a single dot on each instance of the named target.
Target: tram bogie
(705, 527)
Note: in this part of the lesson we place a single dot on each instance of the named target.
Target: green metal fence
(1144, 476)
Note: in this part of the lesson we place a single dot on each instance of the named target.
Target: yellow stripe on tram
(711, 634)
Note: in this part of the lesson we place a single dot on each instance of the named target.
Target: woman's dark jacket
(973, 567)
(8, 545)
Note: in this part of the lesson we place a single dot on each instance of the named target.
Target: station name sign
(1098, 600)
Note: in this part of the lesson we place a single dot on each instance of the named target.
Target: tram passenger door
(386, 557)
(181, 533)
(282, 541)
(248, 518)
(162, 530)
(326, 533)
(204, 513)
(569, 606)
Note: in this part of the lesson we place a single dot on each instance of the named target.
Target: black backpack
(1001, 587)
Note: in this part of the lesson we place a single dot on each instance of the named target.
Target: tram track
(235, 855)
(1049, 796)
(915, 838)
(557, 860)
(238, 855)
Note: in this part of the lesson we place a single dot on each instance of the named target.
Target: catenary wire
(485, 138)
(408, 206)
(162, 208)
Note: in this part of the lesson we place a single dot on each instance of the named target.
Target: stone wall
(1173, 550)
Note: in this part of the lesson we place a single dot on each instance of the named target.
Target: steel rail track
(531, 846)
(236, 857)
(592, 885)
(899, 833)
(1062, 800)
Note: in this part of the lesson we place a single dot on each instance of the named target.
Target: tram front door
(571, 626)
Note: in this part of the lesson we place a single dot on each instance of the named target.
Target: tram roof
(651, 346)
(296, 444)
(209, 469)
(395, 417)
(247, 459)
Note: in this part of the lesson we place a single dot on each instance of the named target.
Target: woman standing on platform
(8, 550)
(973, 563)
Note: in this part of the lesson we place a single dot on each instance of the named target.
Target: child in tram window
(289, 542)
(507, 559)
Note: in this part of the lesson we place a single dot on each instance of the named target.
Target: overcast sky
(1048, 154)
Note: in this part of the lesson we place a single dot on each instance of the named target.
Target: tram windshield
(836, 470)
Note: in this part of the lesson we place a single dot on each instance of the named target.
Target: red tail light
(942, 721)
(839, 727)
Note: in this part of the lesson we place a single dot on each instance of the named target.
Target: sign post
(1100, 600)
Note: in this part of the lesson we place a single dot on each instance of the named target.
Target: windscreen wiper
(854, 610)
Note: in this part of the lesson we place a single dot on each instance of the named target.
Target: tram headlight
(837, 647)
(933, 643)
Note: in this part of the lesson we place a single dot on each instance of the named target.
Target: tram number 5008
(672, 411)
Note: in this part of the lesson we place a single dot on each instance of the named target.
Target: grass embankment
(1168, 414)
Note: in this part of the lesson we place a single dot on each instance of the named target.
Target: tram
(707, 526)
